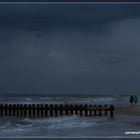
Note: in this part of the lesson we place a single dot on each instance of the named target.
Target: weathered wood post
(46, 110)
(105, 110)
(76, 109)
(100, 110)
(14, 109)
(17, 109)
(111, 110)
(33, 109)
(42, 110)
(38, 110)
(25, 112)
(71, 109)
(6, 109)
(1, 110)
(51, 110)
(10, 109)
(66, 110)
(81, 110)
(21, 110)
(86, 110)
(95, 110)
(30, 110)
(61, 109)
(56, 110)
(90, 110)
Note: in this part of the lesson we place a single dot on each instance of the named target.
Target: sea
(68, 126)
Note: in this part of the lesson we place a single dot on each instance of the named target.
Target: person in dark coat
(135, 99)
(131, 100)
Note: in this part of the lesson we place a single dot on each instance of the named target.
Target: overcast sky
(70, 48)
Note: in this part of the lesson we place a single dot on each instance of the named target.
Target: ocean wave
(8, 132)
(28, 99)
(65, 100)
(6, 124)
(69, 122)
(23, 124)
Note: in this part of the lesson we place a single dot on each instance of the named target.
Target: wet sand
(127, 110)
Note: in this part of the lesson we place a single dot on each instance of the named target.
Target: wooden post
(24, 110)
(86, 110)
(51, 110)
(6, 109)
(38, 110)
(10, 109)
(17, 110)
(56, 110)
(100, 110)
(21, 110)
(1, 106)
(33, 110)
(14, 106)
(76, 109)
(95, 110)
(90, 110)
(66, 110)
(29, 108)
(111, 110)
(42, 109)
(46, 110)
(81, 110)
(71, 109)
(61, 109)
(105, 110)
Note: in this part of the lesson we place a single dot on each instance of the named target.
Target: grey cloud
(70, 52)
(51, 16)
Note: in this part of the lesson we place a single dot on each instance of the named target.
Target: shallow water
(67, 126)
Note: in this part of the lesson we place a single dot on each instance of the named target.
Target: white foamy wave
(28, 99)
(11, 132)
(103, 100)
(46, 98)
(6, 124)
(23, 124)
(99, 100)
(73, 122)
(61, 122)
(26, 122)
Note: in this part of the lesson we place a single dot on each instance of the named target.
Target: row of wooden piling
(54, 110)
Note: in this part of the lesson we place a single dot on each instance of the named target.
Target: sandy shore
(128, 110)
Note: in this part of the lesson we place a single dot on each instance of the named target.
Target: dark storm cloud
(70, 48)
(49, 16)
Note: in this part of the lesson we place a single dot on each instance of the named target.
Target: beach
(126, 118)
(127, 109)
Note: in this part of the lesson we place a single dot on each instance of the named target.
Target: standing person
(135, 99)
(131, 99)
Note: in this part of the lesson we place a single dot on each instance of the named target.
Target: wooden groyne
(54, 110)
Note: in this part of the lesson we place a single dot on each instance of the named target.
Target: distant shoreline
(22, 93)
(80, 94)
